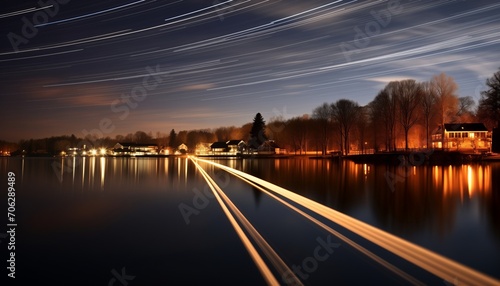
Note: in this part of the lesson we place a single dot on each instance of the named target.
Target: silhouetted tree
(322, 114)
(361, 125)
(383, 108)
(172, 140)
(408, 94)
(466, 108)
(298, 129)
(258, 132)
(344, 112)
(489, 104)
(142, 137)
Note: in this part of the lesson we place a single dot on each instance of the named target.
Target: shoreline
(414, 158)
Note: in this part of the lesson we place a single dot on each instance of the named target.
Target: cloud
(201, 86)
(387, 79)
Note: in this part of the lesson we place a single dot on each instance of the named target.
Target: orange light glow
(432, 262)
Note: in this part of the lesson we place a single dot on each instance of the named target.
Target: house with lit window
(462, 137)
(134, 149)
(236, 146)
(219, 148)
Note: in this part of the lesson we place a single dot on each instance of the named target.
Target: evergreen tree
(172, 141)
(258, 132)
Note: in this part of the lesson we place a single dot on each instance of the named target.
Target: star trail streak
(266, 55)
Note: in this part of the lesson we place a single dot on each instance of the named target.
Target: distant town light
(103, 151)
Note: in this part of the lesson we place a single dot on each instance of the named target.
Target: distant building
(270, 147)
(462, 137)
(183, 148)
(219, 147)
(203, 148)
(134, 149)
(236, 146)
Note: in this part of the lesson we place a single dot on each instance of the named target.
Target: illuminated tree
(444, 87)
(428, 101)
(408, 93)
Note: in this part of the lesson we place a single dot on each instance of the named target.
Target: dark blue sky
(122, 66)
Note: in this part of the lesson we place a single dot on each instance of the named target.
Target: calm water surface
(82, 220)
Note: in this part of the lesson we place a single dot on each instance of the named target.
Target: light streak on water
(355, 245)
(432, 262)
(259, 262)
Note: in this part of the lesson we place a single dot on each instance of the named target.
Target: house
(462, 136)
(236, 146)
(219, 147)
(270, 147)
(182, 149)
(134, 149)
(203, 148)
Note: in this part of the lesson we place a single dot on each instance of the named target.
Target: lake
(155, 221)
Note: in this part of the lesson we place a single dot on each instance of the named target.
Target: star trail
(153, 65)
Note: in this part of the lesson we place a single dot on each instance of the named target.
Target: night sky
(123, 66)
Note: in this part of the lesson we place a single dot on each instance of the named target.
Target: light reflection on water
(439, 207)
(452, 210)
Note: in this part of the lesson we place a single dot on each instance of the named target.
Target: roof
(219, 144)
(130, 144)
(270, 143)
(457, 127)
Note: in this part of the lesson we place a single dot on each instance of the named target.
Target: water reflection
(105, 173)
(422, 197)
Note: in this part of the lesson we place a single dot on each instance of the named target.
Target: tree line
(402, 115)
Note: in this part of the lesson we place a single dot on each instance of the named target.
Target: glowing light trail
(356, 246)
(259, 262)
(432, 262)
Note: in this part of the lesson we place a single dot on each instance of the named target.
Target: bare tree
(466, 108)
(298, 133)
(428, 101)
(489, 104)
(322, 114)
(408, 93)
(362, 123)
(383, 108)
(445, 87)
(344, 112)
